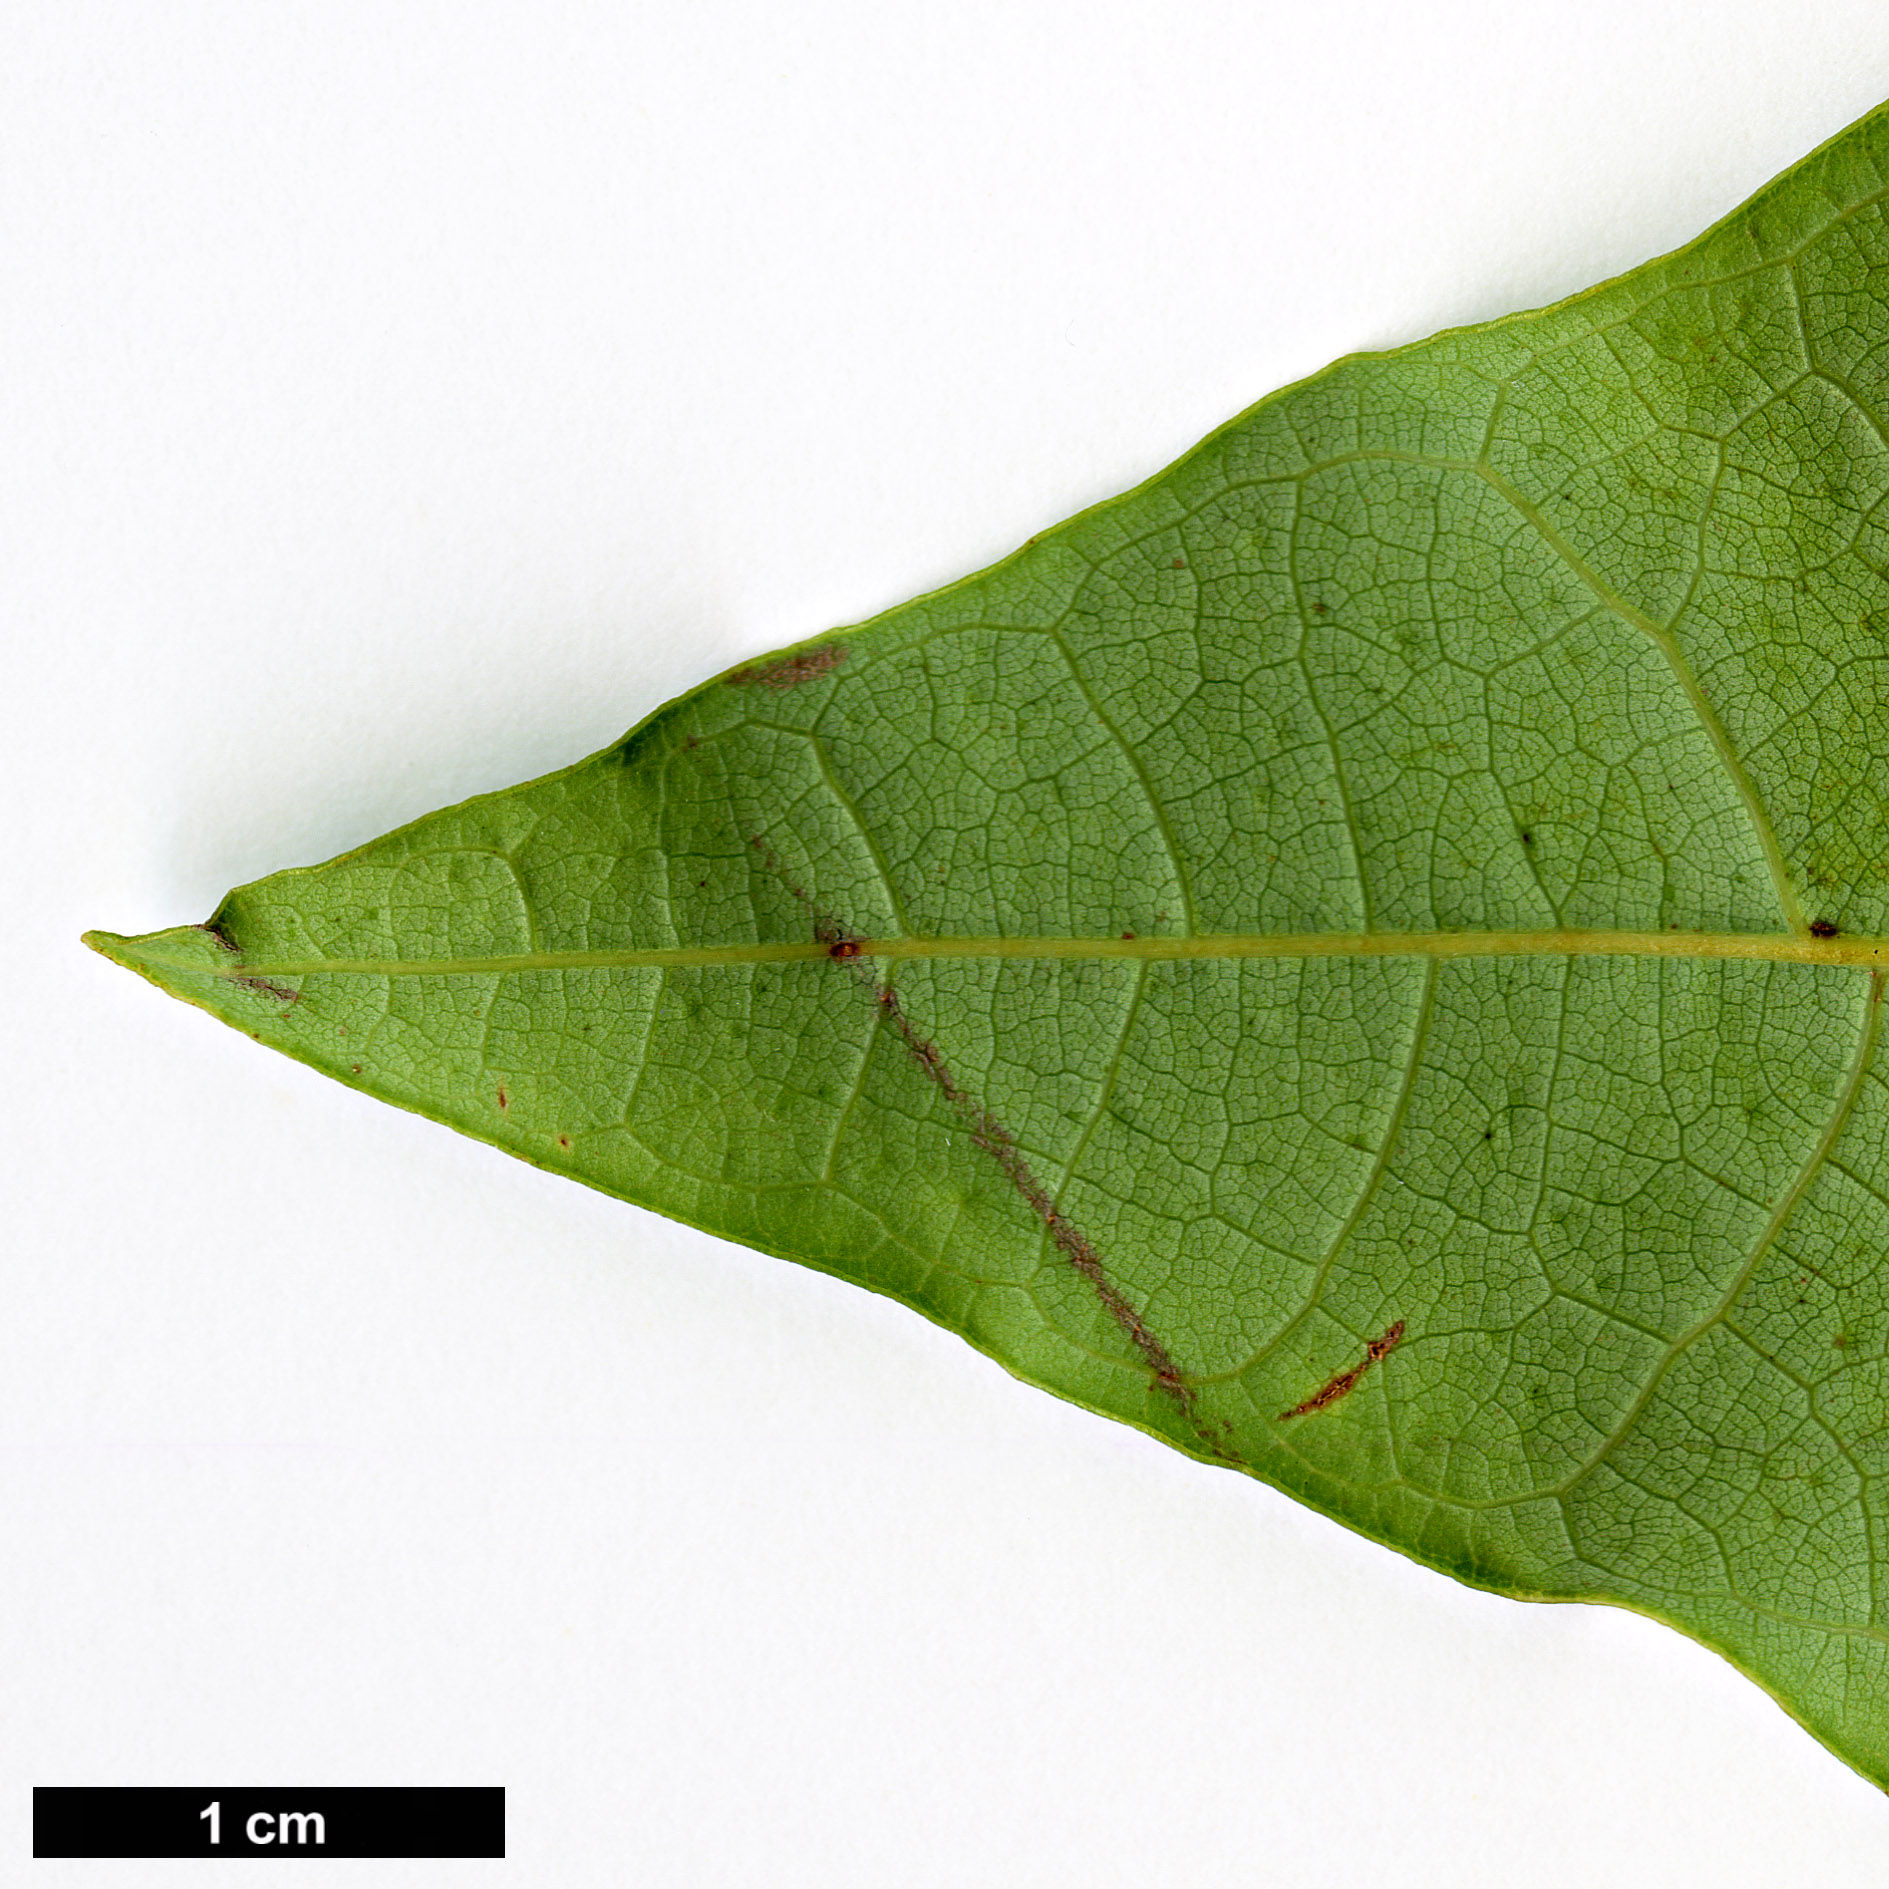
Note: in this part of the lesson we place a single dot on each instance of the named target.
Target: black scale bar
(116, 1821)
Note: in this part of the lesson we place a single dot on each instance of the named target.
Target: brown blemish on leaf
(280, 992)
(845, 945)
(1823, 928)
(504, 1100)
(224, 942)
(790, 671)
(564, 1141)
(1347, 1381)
(994, 1139)
(771, 860)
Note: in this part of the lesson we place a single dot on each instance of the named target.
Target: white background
(401, 400)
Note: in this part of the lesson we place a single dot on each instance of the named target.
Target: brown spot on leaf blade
(280, 992)
(790, 671)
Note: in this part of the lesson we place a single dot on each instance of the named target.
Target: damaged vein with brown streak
(1347, 1381)
(991, 1137)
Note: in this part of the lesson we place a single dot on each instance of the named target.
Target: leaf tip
(163, 957)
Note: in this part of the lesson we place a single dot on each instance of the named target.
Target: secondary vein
(1668, 645)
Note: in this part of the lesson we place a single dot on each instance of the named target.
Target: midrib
(1770, 947)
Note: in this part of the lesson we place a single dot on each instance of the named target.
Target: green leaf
(1359, 957)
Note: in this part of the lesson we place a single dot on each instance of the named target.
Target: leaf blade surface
(1319, 957)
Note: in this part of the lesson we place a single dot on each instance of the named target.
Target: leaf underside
(1358, 957)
